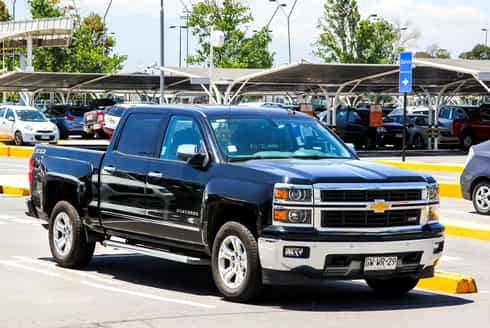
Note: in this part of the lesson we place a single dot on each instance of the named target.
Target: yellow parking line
(14, 191)
(450, 190)
(449, 282)
(424, 166)
(16, 151)
(467, 232)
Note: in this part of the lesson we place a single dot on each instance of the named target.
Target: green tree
(480, 51)
(4, 13)
(433, 51)
(346, 38)
(90, 51)
(232, 18)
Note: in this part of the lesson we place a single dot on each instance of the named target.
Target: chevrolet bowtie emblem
(379, 206)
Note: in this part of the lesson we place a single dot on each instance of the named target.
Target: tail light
(31, 167)
(100, 117)
(69, 118)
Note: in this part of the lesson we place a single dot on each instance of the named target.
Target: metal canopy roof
(82, 82)
(45, 32)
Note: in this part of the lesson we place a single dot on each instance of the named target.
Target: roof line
(446, 67)
(176, 71)
(266, 72)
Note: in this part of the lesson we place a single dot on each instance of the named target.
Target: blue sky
(454, 25)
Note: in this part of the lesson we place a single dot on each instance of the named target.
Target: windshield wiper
(314, 157)
(249, 158)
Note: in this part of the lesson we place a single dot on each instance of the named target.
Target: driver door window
(182, 130)
(10, 115)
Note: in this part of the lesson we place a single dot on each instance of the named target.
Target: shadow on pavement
(330, 296)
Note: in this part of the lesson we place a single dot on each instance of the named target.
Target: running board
(157, 253)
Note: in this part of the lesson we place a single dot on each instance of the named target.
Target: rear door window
(141, 134)
(2, 112)
(445, 112)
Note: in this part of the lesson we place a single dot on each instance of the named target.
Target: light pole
(216, 40)
(485, 30)
(13, 9)
(180, 41)
(288, 18)
(162, 52)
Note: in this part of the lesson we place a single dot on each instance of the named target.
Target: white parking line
(24, 267)
(6, 217)
(149, 296)
(446, 258)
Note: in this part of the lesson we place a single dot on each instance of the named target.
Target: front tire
(18, 140)
(392, 286)
(467, 141)
(235, 263)
(67, 239)
(481, 198)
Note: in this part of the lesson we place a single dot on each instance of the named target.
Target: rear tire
(467, 141)
(392, 286)
(235, 263)
(481, 198)
(67, 239)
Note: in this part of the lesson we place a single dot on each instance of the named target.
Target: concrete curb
(424, 166)
(448, 282)
(16, 151)
(14, 191)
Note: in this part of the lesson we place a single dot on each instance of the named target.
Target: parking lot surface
(120, 289)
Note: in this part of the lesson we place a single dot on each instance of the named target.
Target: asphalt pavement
(121, 289)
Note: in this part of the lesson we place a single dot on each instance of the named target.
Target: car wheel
(67, 240)
(481, 198)
(467, 141)
(235, 263)
(392, 286)
(18, 140)
(418, 142)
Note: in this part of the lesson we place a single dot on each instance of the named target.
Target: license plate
(45, 137)
(379, 263)
(399, 135)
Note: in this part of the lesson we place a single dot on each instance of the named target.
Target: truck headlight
(432, 193)
(293, 194)
(293, 216)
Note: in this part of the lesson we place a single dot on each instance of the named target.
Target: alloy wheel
(62, 234)
(232, 262)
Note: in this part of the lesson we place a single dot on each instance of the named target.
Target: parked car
(68, 119)
(263, 197)
(26, 125)
(474, 127)
(112, 116)
(353, 127)
(475, 180)
(447, 115)
(420, 110)
(94, 120)
(417, 125)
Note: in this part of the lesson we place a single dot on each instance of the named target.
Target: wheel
(481, 198)
(67, 240)
(370, 142)
(18, 140)
(418, 142)
(235, 263)
(467, 141)
(392, 286)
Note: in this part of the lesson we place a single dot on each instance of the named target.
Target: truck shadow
(330, 296)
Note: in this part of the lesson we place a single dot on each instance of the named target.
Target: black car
(353, 126)
(475, 180)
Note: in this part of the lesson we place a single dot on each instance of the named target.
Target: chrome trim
(304, 225)
(292, 186)
(164, 223)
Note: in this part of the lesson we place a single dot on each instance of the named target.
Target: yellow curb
(467, 232)
(450, 190)
(424, 166)
(15, 191)
(448, 282)
(16, 151)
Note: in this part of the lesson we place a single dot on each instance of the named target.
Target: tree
(346, 38)
(4, 13)
(232, 18)
(90, 51)
(480, 51)
(434, 51)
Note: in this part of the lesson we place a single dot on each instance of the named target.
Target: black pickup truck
(266, 197)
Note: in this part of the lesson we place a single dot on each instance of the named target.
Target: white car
(26, 125)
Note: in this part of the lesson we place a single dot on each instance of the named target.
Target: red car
(475, 128)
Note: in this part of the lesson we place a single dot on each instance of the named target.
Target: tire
(418, 142)
(370, 142)
(76, 251)
(392, 286)
(230, 235)
(18, 140)
(467, 141)
(481, 198)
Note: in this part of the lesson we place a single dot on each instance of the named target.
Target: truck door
(175, 188)
(124, 171)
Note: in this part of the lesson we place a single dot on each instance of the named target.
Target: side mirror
(11, 119)
(190, 154)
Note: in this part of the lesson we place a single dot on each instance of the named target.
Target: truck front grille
(370, 195)
(368, 219)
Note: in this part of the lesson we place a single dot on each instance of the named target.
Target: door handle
(109, 169)
(155, 175)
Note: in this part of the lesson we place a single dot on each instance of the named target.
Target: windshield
(31, 116)
(261, 138)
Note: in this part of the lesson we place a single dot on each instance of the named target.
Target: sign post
(405, 87)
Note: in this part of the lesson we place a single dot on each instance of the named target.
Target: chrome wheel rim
(62, 234)
(482, 198)
(232, 262)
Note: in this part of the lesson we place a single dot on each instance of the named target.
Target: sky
(451, 24)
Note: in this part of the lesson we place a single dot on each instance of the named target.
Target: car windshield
(28, 115)
(263, 138)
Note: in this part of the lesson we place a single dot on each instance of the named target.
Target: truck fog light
(438, 247)
(296, 252)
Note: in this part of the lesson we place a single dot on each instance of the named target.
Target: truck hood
(335, 171)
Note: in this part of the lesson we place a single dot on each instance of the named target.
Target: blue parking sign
(405, 81)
